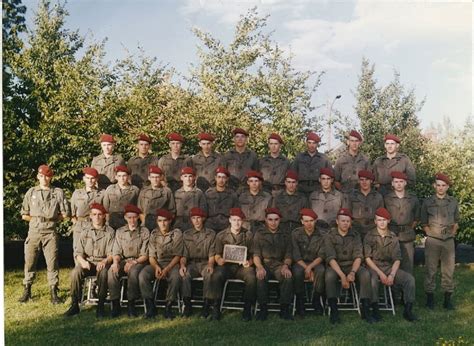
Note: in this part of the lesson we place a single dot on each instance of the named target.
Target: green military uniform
(205, 168)
(273, 248)
(290, 206)
(163, 248)
(440, 214)
(238, 165)
(219, 203)
(45, 208)
(80, 202)
(115, 199)
(308, 167)
(254, 207)
(346, 169)
(404, 211)
(106, 168)
(138, 167)
(151, 199)
(172, 169)
(326, 205)
(363, 209)
(185, 201)
(273, 171)
(129, 245)
(383, 166)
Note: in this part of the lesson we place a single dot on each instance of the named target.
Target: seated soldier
(93, 255)
(164, 250)
(272, 258)
(236, 235)
(383, 255)
(198, 261)
(343, 251)
(130, 253)
(308, 254)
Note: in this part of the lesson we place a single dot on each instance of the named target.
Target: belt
(82, 218)
(42, 218)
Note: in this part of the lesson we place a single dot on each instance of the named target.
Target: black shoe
(188, 308)
(216, 311)
(205, 309)
(150, 308)
(54, 295)
(26, 294)
(132, 311)
(448, 304)
(100, 310)
(285, 312)
(262, 314)
(376, 312)
(430, 303)
(247, 313)
(334, 317)
(73, 309)
(168, 313)
(408, 314)
(365, 311)
(318, 308)
(115, 308)
(300, 306)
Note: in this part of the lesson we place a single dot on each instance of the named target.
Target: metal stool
(386, 300)
(273, 296)
(159, 289)
(89, 291)
(197, 299)
(348, 299)
(308, 290)
(232, 296)
(123, 295)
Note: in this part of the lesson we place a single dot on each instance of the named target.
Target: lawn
(41, 323)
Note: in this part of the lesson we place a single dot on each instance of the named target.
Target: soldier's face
(122, 178)
(391, 146)
(381, 222)
(154, 179)
(163, 223)
(107, 148)
(132, 220)
(97, 217)
(187, 179)
(197, 221)
(143, 147)
(291, 185)
(254, 184)
(312, 146)
(89, 180)
(274, 146)
(235, 222)
(44, 180)
(353, 143)
(175, 146)
(365, 183)
(440, 187)
(206, 146)
(221, 179)
(344, 222)
(272, 221)
(240, 140)
(308, 222)
(325, 181)
(399, 184)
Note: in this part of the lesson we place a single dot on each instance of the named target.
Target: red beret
(254, 174)
(154, 169)
(326, 171)
(90, 171)
(175, 137)
(366, 174)
(144, 137)
(269, 211)
(311, 136)
(276, 136)
(165, 213)
(241, 131)
(98, 206)
(197, 212)
(399, 175)
(107, 138)
(389, 137)
(222, 170)
(237, 212)
(206, 137)
(443, 177)
(355, 134)
(45, 170)
(187, 170)
(309, 212)
(382, 212)
(291, 175)
(130, 208)
(344, 212)
(122, 169)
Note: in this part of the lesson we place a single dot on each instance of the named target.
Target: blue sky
(429, 43)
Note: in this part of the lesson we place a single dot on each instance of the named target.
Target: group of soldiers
(171, 219)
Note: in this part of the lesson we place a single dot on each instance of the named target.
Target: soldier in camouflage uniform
(274, 166)
(138, 165)
(106, 162)
(205, 162)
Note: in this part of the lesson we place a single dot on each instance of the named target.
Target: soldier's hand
(345, 283)
(389, 281)
(286, 272)
(86, 265)
(351, 277)
(246, 264)
(115, 268)
(383, 278)
(164, 273)
(261, 273)
(128, 266)
(158, 273)
(182, 271)
(308, 273)
(221, 261)
(210, 269)
(100, 266)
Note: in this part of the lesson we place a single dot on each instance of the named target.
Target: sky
(428, 43)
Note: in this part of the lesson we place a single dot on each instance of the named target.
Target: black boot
(188, 308)
(247, 313)
(168, 314)
(376, 312)
(73, 309)
(318, 308)
(285, 312)
(132, 311)
(216, 310)
(334, 317)
(408, 314)
(448, 304)
(205, 309)
(150, 308)
(54, 295)
(26, 294)
(115, 308)
(100, 310)
(262, 314)
(365, 311)
(430, 303)
(300, 305)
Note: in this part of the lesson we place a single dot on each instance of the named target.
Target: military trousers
(407, 249)
(133, 288)
(439, 251)
(318, 281)
(402, 279)
(210, 284)
(333, 287)
(146, 279)
(286, 285)
(48, 242)
(236, 271)
(78, 275)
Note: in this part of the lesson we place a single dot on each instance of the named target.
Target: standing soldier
(363, 202)
(118, 195)
(205, 162)
(326, 201)
(236, 235)
(130, 252)
(198, 261)
(186, 198)
(106, 162)
(308, 164)
(272, 257)
(219, 200)
(172, 163)
(290, 201)
(239, 160)
(254, 201)
(164, 250)
(344, 253)
(81, 200)
(439, 218)
(93, 255)
(138, 165)
(274, 166)
(43, 207)
(350, 163)
(382, 255)
(392, 161)
(154, 196)
(308, 254)
(404, 208)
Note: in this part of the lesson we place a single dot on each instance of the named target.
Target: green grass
(39, 322)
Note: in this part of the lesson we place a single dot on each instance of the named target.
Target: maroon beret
(154, 169)
(355, 134)
(269, 211)
(311, 136)
(399, 175)
(327, 171)
(206, 137)
(45, 170)
(309, 212)
(107, 138)
(237, 212)
(222, 170)
(276, 137)
(344, 212)
(165, 213)
(197, 212)
(254, 174)
(98, 206)
(443, 177)
(90, 171)
(239, 130)
(382, 212)
(366, 174)
(144, 137)
(291, 175)
(389, 137)
(122, 169)
(130, 208)
(187, 170)
(175, 137)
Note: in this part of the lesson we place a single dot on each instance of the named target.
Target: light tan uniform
(106, 168)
